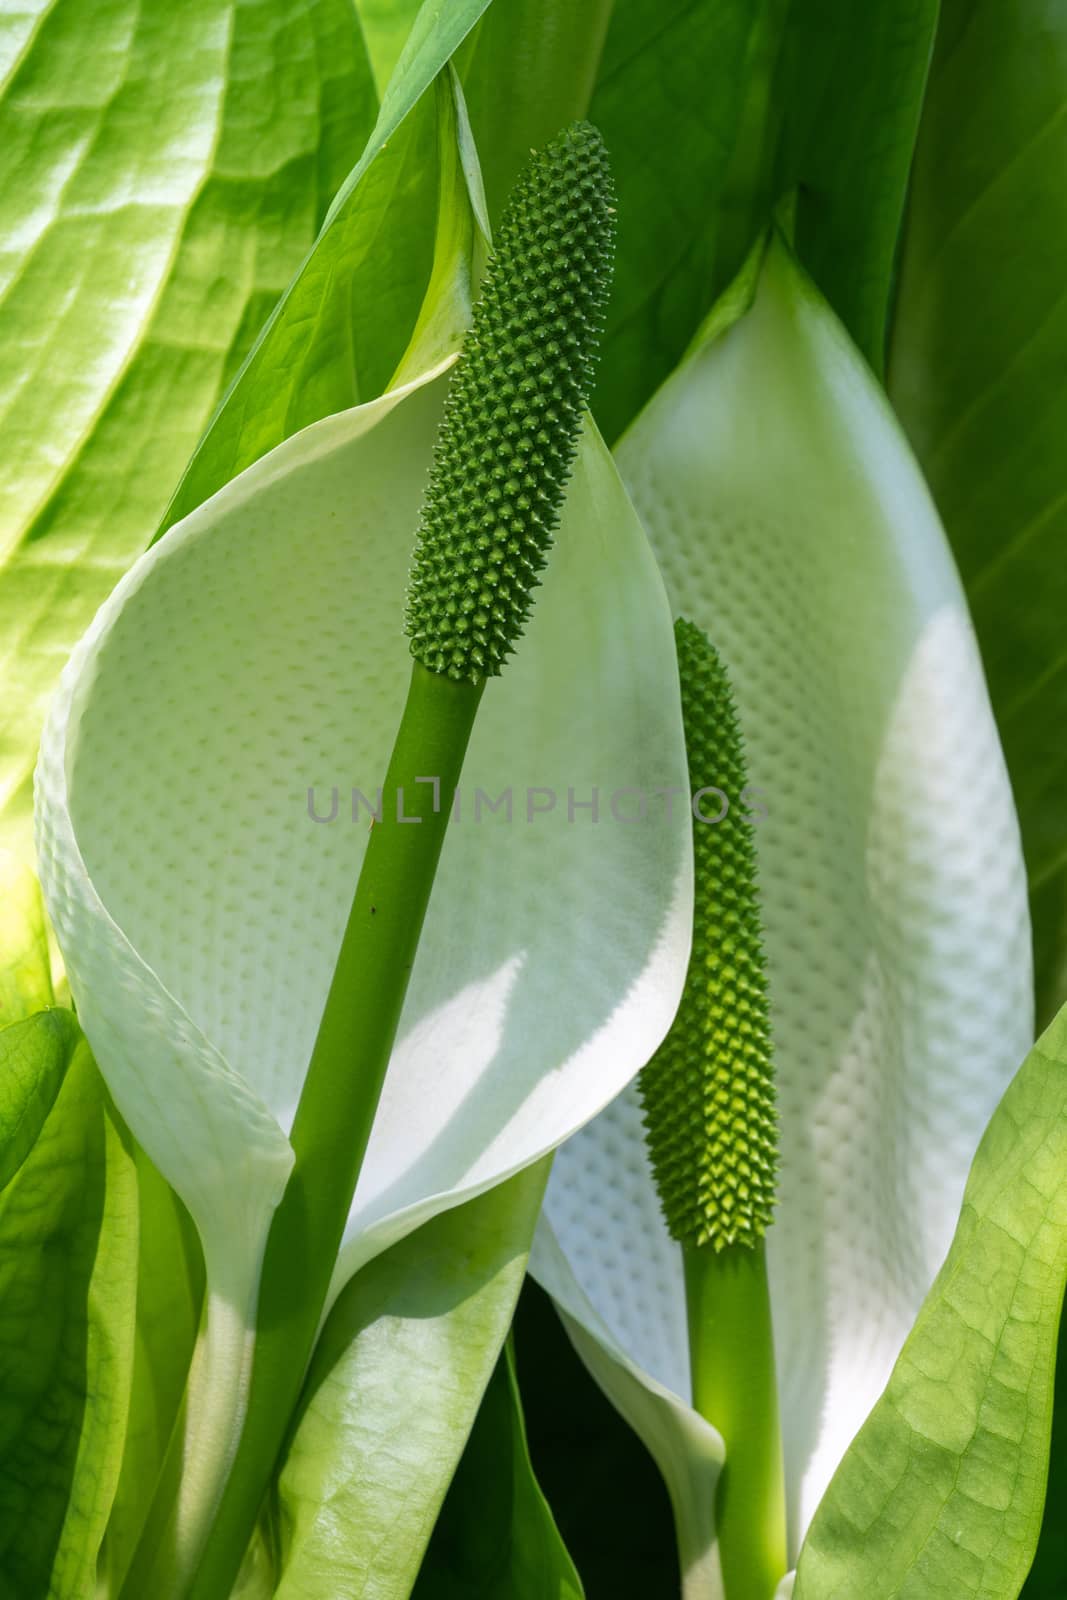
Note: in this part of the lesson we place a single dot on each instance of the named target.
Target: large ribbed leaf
(977, 373)
(68, 1272)
(392, 1394)
(338, 333)
(163, 169)
(940, 1494)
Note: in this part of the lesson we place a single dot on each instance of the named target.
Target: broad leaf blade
(36, 1054)
(170, 1287)
(386, 25)
(25, 977)
(339, 332)
(713, 115)
(496, 1537)
(528, 69)
(941, 1492)
(394, 1388)
(849, 91)
(68, 1269)
(977, 374)
(162, 170)
(37, 1051)
(668, 100)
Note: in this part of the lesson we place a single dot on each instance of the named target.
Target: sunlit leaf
(337, 335)
(163, 169)
(68, 1272)
(394, 1388)
(941, 1492)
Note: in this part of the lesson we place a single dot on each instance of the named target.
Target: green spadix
(513, 413)
(500, 468)
(708, 1092)
(711, 1127)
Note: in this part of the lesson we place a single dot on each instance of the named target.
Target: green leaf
(832, 104)
(1045, 1580)
(170, 1286)
(36, 1053)
(528, 69)
(940, 1493)
(341, 328)
(665, 85)
(668, 100)
(25, 976)
(496, 1537)
(162, 170)
(386, 25)
(400, 1368)
(68, 1272)
(849, 89)
(714, 114)
(977, 375)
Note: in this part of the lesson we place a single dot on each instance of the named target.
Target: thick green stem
(731, 1355)
(341, 1092)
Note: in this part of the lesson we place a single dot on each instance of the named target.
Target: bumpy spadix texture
(708, 1093)
(514, 411)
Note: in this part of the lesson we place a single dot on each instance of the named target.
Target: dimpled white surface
(791, 523)
(257, 652)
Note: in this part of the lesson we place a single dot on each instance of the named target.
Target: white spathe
(792, 524)
(249, 664)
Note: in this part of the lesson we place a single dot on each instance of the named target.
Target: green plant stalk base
(731, 1356)
(340, 1095)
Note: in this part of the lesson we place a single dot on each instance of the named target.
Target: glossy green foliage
(941, 1492)
(848, 89)
(328, 344)
(68, 1272)
(668, 99)
(716, 114)
(528, 69)
(170, 1282)
(393, 1391)
(163, 168)
(977, 375)
(386, 25)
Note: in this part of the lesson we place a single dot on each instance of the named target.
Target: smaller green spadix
(708, 1093)
(514, 412)
(711, 1126)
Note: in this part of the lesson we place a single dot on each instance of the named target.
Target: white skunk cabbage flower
(204, 793)
(793, 526)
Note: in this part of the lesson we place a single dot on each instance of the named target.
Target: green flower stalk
(504, 453)
(711, 1128)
